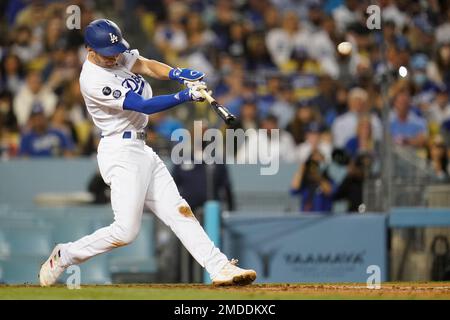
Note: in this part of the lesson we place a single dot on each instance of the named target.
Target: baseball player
(119, 100)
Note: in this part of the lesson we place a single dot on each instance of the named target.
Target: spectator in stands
(424, 90)
(8, 140)
(64, 71)
(391, 12)
(12, 73)
(363, 142)
(337, 169)
(282, 42)
(25, 45)
(224, 17)
(439, 110)
(6, 109)
(53, 33)
(322, 46)
(439, 69)
(249, 117)
(43, 141)
(284, 106)
(344, 126)
(351, 188)
(348, 13)
(445, 133)
(32, 92)
(419, 63)
(258, 59)
(260, 147)
(438, 158)
(407, 128)
(313, 186)
(442, 32)
(327, 101)
(200, 41)
(170, 36)
(77, 115)
(237, 44)
(271, 17)
(390, 35)
(304, 115)
(316, 140)
(234, 91)
(266, 101)
(60, 121)
(254, 13)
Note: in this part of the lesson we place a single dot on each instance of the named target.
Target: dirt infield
(437, 290)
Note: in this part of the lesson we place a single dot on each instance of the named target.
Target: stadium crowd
(273, 63)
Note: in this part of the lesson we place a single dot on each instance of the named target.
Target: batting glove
(182, 75)
(194, 92)
(190, 84)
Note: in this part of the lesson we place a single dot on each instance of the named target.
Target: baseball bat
(223, 112)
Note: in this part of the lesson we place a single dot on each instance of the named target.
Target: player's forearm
(156, 104)
(159, 70)
(151, 68)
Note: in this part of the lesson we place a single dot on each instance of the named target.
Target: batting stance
(119, 100)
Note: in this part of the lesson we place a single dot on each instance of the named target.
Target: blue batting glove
(182, 75)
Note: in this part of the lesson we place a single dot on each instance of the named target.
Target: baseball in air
(344, 48)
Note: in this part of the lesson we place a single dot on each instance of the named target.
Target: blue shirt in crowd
(413, 126)
(51, 143)
(314, 200)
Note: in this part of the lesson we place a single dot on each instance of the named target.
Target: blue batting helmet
(105, 37)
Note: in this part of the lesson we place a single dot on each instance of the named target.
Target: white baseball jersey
(104, 91)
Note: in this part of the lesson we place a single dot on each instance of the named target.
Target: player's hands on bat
(190, 84)
(185, 75)
(195, 91)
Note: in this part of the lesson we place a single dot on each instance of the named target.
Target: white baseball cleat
(232, 275)
(51, 269)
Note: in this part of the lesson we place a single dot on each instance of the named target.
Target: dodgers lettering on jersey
(104, 91)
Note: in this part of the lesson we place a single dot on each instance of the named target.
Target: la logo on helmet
(113, 38)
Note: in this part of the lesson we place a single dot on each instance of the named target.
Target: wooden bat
(223, 112)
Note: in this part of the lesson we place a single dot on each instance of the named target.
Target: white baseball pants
(138, 177)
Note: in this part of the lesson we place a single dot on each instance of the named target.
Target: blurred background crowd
(273, 63)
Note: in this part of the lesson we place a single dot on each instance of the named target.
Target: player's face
(104, 61)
